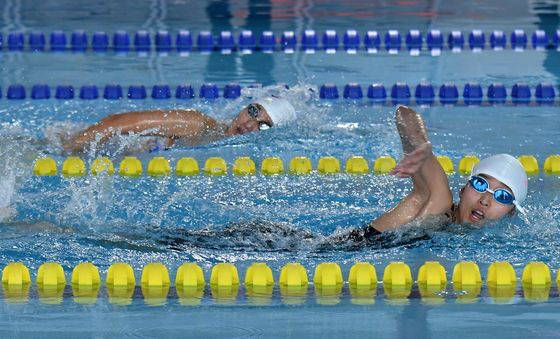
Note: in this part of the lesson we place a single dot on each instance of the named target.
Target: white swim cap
(279, 110)
(508, 170)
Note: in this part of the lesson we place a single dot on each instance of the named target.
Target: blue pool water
(278, 219)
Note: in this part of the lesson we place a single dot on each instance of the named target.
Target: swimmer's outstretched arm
(430, 193)
(171, 124)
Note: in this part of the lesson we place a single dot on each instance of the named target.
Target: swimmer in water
(496, 187)
(191, 127)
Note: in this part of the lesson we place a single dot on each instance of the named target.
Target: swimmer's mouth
(476, 216)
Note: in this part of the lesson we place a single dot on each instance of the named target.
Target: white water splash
(58, 133)
(7, 187)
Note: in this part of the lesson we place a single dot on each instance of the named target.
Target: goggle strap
(519, 208)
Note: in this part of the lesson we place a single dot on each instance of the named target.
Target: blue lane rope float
(136, 92)
(36, 41)
(245, 41)
(423, 93)
(64, 92)
(431, 281)
(309, 40)
(89, 92)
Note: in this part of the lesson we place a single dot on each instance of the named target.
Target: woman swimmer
(496, 187)
(190, 126)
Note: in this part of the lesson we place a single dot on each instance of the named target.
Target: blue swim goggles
(501, 195)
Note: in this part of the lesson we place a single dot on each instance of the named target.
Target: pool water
(272, 219)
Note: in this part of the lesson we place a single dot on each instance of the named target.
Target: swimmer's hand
(413, 161)
(75, 147)
(72, 145)
(411, 129)
(82, 140)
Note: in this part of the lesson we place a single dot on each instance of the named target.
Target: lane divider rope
(352, 41)
(215, 166)
(424, 93)
(362, 281)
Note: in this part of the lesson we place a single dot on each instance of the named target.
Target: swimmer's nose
(486, 199)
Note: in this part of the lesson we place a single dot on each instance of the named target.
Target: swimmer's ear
(513, 212)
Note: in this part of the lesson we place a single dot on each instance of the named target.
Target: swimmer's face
(477, 208)
(246, 122)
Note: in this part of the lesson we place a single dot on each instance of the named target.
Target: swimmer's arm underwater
(170, 124)
(430, 194)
